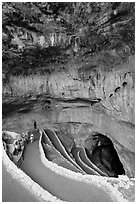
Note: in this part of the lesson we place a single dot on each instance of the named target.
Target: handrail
(89, 185)
(86, 160)
(58, 145)
(64, 162)
(95, 183)
(86, 167)
(75, 151)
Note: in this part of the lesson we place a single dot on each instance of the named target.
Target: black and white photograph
(68, 101)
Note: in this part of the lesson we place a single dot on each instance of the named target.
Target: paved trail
(13, 191)
(62, 187)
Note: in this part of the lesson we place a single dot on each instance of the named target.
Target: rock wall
(121, 133)
(113, 115)
(66, 86)
(103, 182)
(114, 89)
(23, 38)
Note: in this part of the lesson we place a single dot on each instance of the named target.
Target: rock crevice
(114, 89)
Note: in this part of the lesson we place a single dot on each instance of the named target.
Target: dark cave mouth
(104, 155)
(101, 154)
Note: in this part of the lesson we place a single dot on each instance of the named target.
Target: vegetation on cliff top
(37, 36)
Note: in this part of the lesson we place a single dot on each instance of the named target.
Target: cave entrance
(100, 150)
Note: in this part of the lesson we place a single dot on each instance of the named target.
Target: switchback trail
(64, 188)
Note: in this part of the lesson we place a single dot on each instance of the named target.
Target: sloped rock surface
(121, 133)
(63, 85)
(118, 130)
(115, 89)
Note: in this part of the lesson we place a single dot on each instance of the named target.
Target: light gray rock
(115, 89)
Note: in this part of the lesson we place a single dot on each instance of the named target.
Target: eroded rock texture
(115, 89)
(109, 106)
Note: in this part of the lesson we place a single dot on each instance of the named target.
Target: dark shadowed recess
(100, 150)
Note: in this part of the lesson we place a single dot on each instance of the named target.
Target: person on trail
(31, 138)
(35, 125)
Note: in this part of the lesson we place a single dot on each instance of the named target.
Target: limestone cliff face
(121, 133)
(68, 86)
(114, 89)
(119, 95)
(113, 115)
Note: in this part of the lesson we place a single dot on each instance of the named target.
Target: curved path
(54, 155)
(13, 191)
(76, 154)
(85, 159)
(59, 146)
(79, 153)
(18, 186)
(61, 186)
(58, 182)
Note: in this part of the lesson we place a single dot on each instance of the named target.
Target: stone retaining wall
(109, 185)
(92, 179)
(26, 181)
